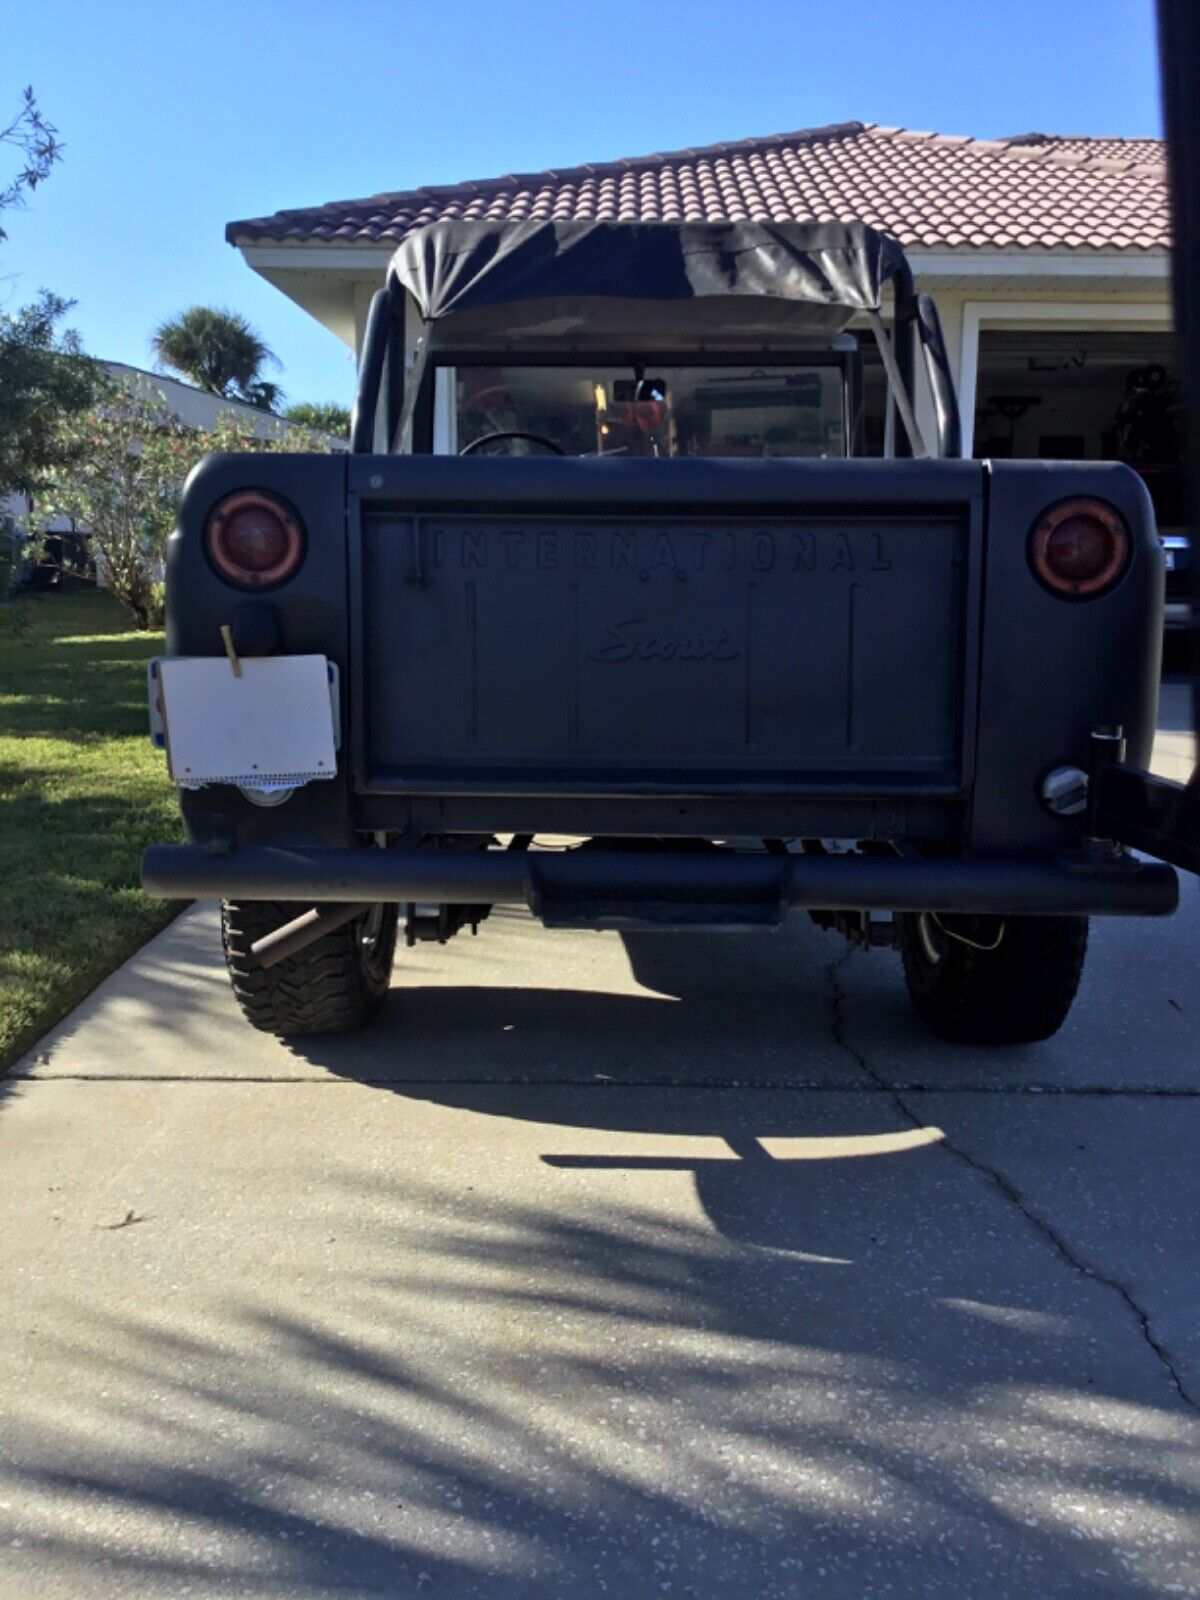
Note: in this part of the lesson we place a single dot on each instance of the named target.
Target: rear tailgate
(664, 626)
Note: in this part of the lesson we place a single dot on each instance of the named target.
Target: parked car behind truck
(605, 562)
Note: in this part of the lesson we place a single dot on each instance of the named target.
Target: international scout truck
(607, 614)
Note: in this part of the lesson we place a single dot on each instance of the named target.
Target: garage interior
(1083, 396)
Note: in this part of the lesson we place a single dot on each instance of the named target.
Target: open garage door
(1094, 395)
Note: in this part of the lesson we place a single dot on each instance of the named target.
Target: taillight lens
(255, 539)
(1079, 548)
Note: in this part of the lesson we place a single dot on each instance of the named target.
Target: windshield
(792, 410)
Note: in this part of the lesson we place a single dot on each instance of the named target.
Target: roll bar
(916, 320)
(941, 381)
(370, 373)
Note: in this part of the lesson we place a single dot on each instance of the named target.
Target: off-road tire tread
(332, 987)
(1018, 993)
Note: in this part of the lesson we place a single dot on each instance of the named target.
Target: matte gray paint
(992, 683)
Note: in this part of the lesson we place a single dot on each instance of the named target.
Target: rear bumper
(611, 888)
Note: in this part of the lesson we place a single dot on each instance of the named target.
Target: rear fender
(1052, 669)
(312, 613)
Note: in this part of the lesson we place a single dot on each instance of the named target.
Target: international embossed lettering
(657, 552)
(624, 643)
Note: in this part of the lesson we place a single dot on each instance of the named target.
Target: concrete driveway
(678, 1267)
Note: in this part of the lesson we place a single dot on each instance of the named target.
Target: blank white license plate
(273, 725)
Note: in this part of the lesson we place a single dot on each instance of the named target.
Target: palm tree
(322, 416)
(220, 351)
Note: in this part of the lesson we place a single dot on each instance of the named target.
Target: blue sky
(178, 117)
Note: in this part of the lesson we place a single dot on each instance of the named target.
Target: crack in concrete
(1002, 1184)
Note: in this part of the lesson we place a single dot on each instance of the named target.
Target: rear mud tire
(1017, 993)
(334, 986)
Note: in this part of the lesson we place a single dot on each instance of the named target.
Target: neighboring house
(1048, 255)
(197, 408)
(193, 407)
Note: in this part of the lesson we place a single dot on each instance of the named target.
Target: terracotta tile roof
(930, 190)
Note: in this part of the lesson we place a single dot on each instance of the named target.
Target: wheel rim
(933, 941)
(371, 940)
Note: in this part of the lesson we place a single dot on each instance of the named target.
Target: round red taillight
(255, 539)
(1079, 548)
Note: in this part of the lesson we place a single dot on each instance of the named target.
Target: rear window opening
(597, 410)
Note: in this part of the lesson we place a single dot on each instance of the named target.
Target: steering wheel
(510, 433)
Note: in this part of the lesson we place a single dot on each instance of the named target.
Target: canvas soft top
(627, 290)
(588, 275)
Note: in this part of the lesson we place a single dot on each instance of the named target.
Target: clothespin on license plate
(227, 641)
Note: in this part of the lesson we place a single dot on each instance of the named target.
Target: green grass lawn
(81, 793)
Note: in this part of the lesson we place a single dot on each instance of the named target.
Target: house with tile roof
(1048, 255)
